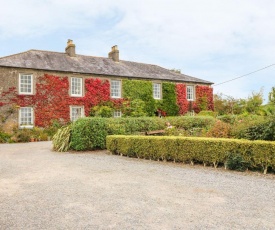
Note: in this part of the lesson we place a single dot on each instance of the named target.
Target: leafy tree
(224, 104)
(229, 105)
(271, 96)
(254, 102)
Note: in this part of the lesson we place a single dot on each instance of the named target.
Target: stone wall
(9, 77)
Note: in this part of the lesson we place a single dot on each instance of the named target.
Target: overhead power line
(245, 75)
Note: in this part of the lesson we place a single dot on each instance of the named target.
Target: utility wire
(244, 75)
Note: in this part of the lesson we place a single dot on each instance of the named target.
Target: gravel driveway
(41, 189)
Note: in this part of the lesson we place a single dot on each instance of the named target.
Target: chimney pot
(70, 49)
(114, 54)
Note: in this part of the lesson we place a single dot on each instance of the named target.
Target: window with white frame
(76, 86)
(190, 93)
(25, 84)
(26, 117)
(157, 90)
(115, 89)
(117, 113)
(76, 112)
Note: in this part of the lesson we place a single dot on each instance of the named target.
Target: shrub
(172, 132)
(88, 134)
(236, 162)
(230, 119)
(23, 135)
(101, 111)
(219, 129)
(207, 113)
(52, 129)
(61, 140)
(4, 137)
(261, 131)
(241, 128)
(244, 153)
(190, 122)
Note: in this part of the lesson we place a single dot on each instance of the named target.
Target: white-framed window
(76, 86)
(157, 90)
(76, 112)
(117, 113)
(190, 92)
(115, 89)
(26, 117)
(25, 84)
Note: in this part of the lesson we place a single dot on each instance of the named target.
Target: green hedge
(190, 149)
(190, 122)
(90, 132)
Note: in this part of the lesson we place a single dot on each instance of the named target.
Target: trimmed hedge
(208, 151)
(190, 122)
(90, 132)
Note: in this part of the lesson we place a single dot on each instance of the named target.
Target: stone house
(19, 76)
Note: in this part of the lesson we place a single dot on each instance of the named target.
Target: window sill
(76, 95)
(116, 97)
(25, 93)
(26, 126)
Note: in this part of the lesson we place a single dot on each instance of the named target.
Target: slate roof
(57, 61)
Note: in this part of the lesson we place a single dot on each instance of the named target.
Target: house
(38, 86)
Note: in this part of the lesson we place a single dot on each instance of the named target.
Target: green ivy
(143, 90)
(169, 101)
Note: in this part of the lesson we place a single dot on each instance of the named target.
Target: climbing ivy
(52, 100)
(169, 101)
(143, 90)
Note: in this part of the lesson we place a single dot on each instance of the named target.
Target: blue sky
(215, 40)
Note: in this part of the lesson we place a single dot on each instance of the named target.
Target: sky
(214, 40)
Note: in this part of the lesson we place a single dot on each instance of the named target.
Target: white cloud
(208, 39)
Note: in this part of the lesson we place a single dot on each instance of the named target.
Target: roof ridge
(49, 51)
(92, 64)
(11, 55)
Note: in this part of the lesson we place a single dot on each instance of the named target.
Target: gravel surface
(41, 189)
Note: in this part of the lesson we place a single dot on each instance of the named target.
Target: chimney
(70, 49)
(114, 54)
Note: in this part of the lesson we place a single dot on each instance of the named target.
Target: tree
(224, 104)
(229, 105)
(254, 102)
(271, 96)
